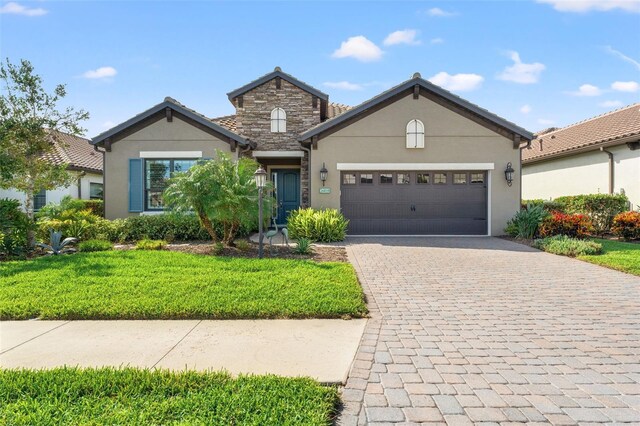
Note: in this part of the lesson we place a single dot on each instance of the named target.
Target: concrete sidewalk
(321, 349)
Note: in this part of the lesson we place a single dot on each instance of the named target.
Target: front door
(286, 183)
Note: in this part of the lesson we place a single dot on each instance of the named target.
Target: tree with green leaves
(29, 121)
(219, 191)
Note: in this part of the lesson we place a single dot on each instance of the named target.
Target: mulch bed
(318, 253)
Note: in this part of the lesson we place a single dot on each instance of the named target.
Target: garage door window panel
(459, 178)
(386, 178)
(366, 178)
(348, 178)
(403, 178)
(439, 178)
(477, 178)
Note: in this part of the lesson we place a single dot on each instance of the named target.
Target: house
(80, 157)
(598, 155)
(414, 160)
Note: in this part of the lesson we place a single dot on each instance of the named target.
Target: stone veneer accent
(253, 121)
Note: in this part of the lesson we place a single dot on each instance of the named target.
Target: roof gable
(277, 72)
(403, 89)
(610, 128)
(174, 106)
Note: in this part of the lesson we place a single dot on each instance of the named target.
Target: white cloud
(18, 9)
(520, 72)
(610, 104)
(436, 40)
(525, 109)
(583, 6)
(457, 82)
(625, 86)
(436, 11)
(343, 85)
(546, 121)
(402, 37)
(102, 72)
(622, 56)
(587, 90)
(360, 48)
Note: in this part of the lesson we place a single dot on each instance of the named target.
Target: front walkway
(482, 330)
(322, 349)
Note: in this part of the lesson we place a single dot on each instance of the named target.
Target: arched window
(415, 134)
(278, 121)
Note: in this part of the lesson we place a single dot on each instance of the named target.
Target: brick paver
(486, 331)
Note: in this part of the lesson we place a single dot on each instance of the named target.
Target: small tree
(29, 122)
(219, 191)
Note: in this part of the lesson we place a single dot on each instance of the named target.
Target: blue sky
(537, 63)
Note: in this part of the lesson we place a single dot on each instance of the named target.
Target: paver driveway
(472, 330)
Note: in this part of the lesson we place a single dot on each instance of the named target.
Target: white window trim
(419, 136)
(171, 154)
(415, 166)
(275, 116)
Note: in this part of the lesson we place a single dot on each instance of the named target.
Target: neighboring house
(598, 155)
(80, 157)
(415, 159)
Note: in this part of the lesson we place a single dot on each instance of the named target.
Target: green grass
(617, 255)
(143, 397)
(169, 285)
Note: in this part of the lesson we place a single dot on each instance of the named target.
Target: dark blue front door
(287, 187)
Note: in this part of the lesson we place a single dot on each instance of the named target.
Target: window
(349, 179)
(440, 178)
(477, 177)
(415, 134)
(459, 178)
(386, 177)
(403, 178)
(366, 178)
(95, 191)
(157, 172)
(422, 178)
(278, 121)
(39, 200)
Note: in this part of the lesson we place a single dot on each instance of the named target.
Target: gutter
(611, 169)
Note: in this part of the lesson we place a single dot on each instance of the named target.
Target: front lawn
(617, 255)
(144, 397)
(169, 285)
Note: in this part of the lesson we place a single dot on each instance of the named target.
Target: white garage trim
(488, 203)
(416, 166)
(170, 154)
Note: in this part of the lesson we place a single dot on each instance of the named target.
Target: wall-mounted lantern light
(323, 173)
(508, 174)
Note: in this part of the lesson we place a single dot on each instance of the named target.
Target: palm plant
(57, 245)
(219, 191)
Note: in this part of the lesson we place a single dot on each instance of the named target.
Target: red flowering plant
(572, 225)
(626, 225)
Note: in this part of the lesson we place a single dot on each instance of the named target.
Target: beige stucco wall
(162, 135)
(586, 173)
(449, 138)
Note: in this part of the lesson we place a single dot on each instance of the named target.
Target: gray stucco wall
(449, 138)
(162, 135)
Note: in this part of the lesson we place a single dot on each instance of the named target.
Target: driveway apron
(484, 330)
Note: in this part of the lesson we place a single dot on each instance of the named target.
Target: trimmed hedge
(601, 208)
(95, 245)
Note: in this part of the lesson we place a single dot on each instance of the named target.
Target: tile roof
(229, 121)
(74, 151)
(593, 132)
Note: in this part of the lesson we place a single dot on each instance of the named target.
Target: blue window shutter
(136, 185)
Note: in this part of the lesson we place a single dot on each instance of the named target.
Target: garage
(420, 202)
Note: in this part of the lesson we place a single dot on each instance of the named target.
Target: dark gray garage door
(415, 202)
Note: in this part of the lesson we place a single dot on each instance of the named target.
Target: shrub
(14, 225)
(601, 208)
(243, 245)
(218, 248)
(57, 245)
(146, 244)
(526, 222)
(567, 246)
(548, 205)
(626, 225)
(303, 246)
(317, 225)
(95, 245)
(571, 225)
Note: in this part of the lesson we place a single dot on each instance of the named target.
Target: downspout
(527, 145)
(611, 169)
(104, 178)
